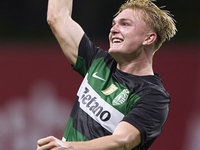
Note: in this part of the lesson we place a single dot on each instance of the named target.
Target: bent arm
(67, 32)
(125, 137)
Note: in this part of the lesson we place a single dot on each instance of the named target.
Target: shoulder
(141, 85)
(87, 47)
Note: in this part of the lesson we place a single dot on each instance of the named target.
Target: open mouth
(116, 40)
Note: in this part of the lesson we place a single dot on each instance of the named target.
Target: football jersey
(108, 96)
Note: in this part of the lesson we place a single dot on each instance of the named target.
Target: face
(127, 34)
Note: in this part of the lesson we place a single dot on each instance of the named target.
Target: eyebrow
(122, 19)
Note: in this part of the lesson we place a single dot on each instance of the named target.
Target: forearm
(57, 8)
(58, 12)
(113, 142)
(125, 137)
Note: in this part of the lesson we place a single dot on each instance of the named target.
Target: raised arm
(67, 32)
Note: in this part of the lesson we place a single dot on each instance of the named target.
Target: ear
(151, 37)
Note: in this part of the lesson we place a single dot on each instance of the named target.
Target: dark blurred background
(27, 19)
(38, 86)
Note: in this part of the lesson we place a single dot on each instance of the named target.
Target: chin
(109, 50)
(113, 50)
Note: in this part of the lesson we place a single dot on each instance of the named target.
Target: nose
(114, 29)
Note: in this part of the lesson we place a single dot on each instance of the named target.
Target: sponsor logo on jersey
(95, 76)
(110, 90)
(92, 104)
(97, 108)
(121, 98)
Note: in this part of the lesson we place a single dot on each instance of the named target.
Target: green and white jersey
(108, 96)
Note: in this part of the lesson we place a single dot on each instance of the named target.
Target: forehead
(128, 14)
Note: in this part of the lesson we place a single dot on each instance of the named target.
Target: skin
(124, 137)
(133, 53)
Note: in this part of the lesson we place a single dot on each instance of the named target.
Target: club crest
(121, 98)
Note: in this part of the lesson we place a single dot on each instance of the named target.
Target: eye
(125, 24)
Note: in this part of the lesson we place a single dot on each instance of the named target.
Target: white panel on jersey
(97, 108)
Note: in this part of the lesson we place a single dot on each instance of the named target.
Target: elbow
(50, 20)
(56, 18)
(126, 143)
(52, 17)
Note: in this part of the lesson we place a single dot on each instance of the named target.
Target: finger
(45, 141)
(48, 146)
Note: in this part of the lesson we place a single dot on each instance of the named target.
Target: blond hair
(160, 21)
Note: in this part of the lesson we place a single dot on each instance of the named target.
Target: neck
(136, 68)
(140, 66)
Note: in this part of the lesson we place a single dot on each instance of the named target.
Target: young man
(121, 103)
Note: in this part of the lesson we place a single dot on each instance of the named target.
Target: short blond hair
(160, 21)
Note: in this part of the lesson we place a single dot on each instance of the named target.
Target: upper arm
(67, 32)
(149, 115)
(69, 35)
(129, 135)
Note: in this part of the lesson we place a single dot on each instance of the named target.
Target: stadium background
(38, 86)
